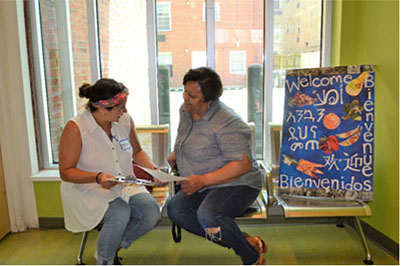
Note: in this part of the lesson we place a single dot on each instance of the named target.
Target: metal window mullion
(65, 57)
(152, 50)
(40, 83)
(268, 59)
(210, 35)
(93, 34)
(326, 34)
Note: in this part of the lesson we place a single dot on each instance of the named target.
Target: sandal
(260, 261)
(257, 242)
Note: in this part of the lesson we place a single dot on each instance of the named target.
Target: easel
(296, 207)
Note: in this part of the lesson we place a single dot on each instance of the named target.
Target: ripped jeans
(214, 210)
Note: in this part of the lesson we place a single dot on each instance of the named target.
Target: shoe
(260, 261)
(259, 245)
(257, 242)
(117, 260)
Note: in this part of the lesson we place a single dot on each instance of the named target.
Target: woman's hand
(192, 184)
(171, 159)
(159, 183)
(103, 179)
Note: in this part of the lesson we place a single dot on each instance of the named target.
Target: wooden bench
(298, 206)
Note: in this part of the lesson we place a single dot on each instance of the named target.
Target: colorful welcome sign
(328, 133)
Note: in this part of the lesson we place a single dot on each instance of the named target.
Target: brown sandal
(260, 261)
(257, 242)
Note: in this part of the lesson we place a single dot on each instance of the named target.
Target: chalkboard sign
(328, 133)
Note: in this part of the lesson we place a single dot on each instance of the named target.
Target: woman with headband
(95, 146)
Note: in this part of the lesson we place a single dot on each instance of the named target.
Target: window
(70, 43)
(238, 62)
(66, 59)
(163, 16)
(124, 52)
(187, 44)
(80, 41)
(289, 52)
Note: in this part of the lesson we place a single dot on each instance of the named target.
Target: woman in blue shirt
(213, 150)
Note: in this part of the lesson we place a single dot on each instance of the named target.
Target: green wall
(367, 32)
(48, 199)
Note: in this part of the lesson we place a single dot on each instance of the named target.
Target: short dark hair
(208, 80)
(103, 89)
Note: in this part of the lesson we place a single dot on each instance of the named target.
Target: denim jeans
(123, 223)
(216, 208)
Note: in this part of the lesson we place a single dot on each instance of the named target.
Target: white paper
(162, 176)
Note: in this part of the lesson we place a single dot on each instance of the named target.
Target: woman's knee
(173, 209)
(150, 210)
(154, 214)
(210, 224)
(207, 217)
(118, 214)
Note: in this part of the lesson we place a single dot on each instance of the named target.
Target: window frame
(68, 82)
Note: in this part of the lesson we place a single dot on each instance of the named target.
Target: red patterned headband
(115, 100)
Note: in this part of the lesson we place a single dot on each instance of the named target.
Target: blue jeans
(123, 223)
(216, 208)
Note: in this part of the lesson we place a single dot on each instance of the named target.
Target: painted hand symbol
(309, 168)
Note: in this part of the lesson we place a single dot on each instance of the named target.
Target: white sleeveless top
(84, 205)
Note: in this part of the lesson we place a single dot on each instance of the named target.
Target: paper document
(162, 176)
(132, 180)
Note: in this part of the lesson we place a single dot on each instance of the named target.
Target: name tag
(124, 144)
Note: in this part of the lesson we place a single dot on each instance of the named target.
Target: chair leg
(81, 248)
(368, 258)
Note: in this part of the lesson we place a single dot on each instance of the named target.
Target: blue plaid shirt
(211, 142)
